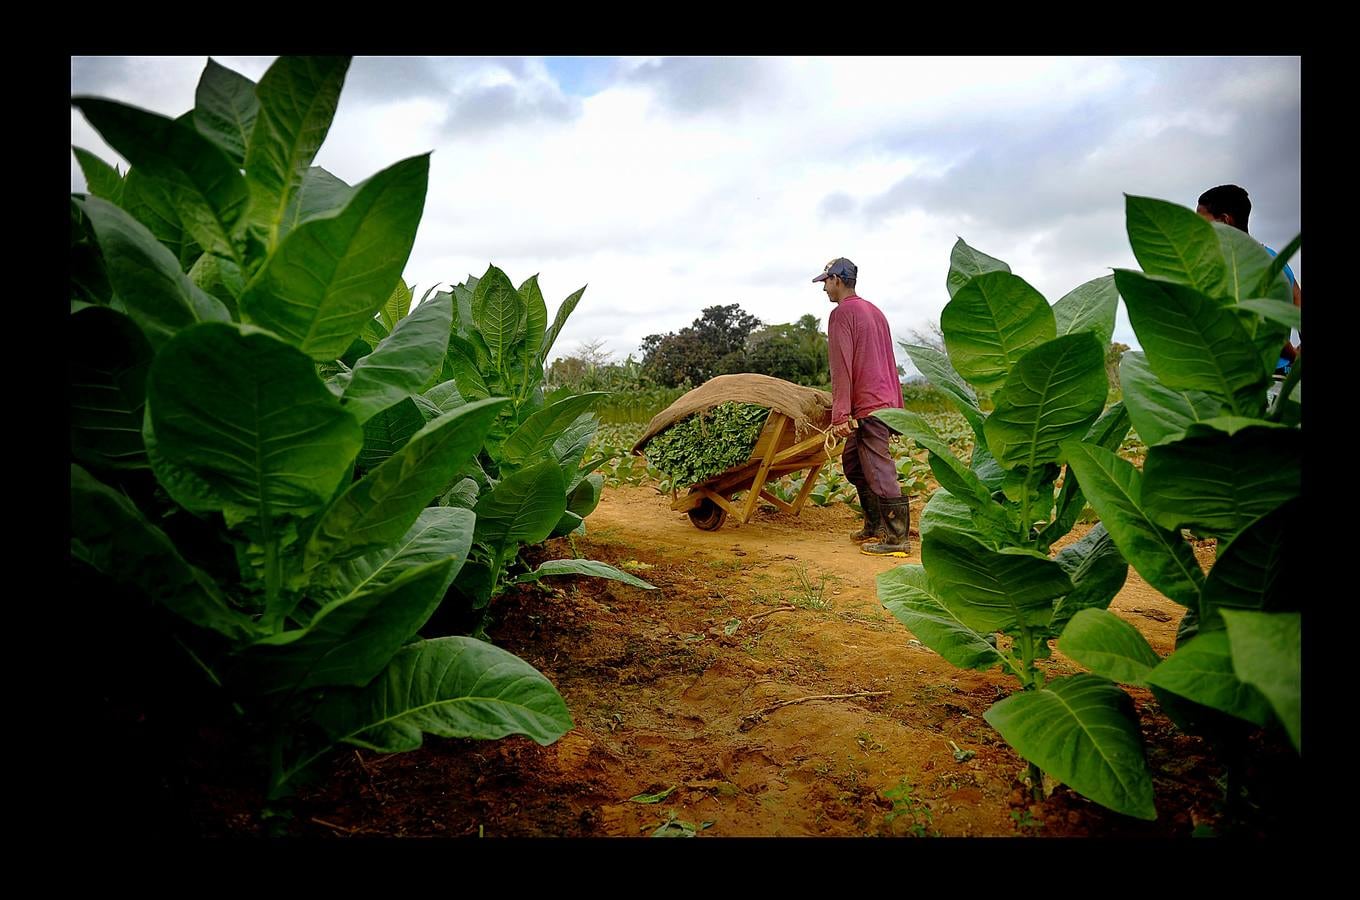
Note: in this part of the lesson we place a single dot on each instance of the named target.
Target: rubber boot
(896, 527)
(873, 518)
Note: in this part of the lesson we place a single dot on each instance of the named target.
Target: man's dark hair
(1228, 199)
(849, 282)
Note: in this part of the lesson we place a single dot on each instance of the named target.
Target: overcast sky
(670, 184)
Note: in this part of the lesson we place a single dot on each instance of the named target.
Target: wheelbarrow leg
(806, 489)
(759, 482)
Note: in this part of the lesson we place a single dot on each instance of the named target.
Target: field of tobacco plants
(348, 569)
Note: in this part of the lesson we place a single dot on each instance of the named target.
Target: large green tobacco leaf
(1286, 314)
(451, 687)
(89, 281)
(570, 448)
(935, 366)
(535, 326)
(1193, 343)
(1097, 569)
(298, 96)
(152, 202)
(522, 509)
(245, 413)
(1108, 646)
(584, 496)
(541, 430)
(1217, 484)
(1115, 488)
(445, 396)
(1267, 654)
(209, 191)
(905, 592)
(220, 277)
(155, 292)
(1253, 571)
(990, 590)
(583, 567)
(109, 533)
(401, 364)
(184, 486)
(965, 262)
(1159, 413)
(499, 313)
(1173, 242)
(944, 510)
(351, 639)
(1054, 393)
(1248, 267)
(320, 194)
(381, 507)
(107, 362)
(102, 179)
(331, 274)
(398, 306)
(225, 108)
(563, 312)
(1089, 307)
(460, 367)
(993, 320)
(1082, 731)
(949, 470)
(1107, 432)
(439, 533)
(1202, 670)
(388, 431)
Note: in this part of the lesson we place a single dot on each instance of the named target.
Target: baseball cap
(840, 267)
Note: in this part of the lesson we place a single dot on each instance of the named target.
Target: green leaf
(1107, 432)
(158, 296)
(570, 448)
(1089, 307)
(219, 277)
(401, 364)
(320, 194)
(1159, 413)
(1173, 242)
(583, 567)
(535, 326)
(1256, 570)
(521, 509)
(331, 274)
(990, 590)
(388, 431)
(246, 413)
(208, 189)
(350, 640)
(1081, 730)
(499, 313)
(1248, 266)
(460, 366)
(1115, 488)
(935, 366)
(398, 306)
(1286, 314)
(103, 179)
(585, 495)
(1277, 267)
(462, 495)
(152, 202)
(1108, 646)
(381, 507)
(109, 533)
(1218, 484)
(1267, 654)
(108, 359)
(541, 430)
(993, 320)
(944, 510)
(652, 798)
(445, 396)
(440, 533)
(1193, 343)
(298, 96)
(1053, 393)
(451, 687)
(563, 312)
(1202, 670)
(905, 592)
(1097, 569)
(225, 108)
(965, 262)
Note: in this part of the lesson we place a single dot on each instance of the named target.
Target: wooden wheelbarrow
(776, 453)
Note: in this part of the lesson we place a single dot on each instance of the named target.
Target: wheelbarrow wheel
(707, 516)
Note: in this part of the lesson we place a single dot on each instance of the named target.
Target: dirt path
(680, 690)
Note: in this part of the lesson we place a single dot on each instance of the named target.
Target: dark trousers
(866, 461)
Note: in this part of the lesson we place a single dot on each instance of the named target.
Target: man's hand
(843, 430)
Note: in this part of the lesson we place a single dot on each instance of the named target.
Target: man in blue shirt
(1230, 205)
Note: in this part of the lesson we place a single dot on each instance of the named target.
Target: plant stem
(1295, 373)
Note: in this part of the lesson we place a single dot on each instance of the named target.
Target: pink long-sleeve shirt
(863, 368)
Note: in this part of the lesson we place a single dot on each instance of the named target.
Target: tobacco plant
(218, 476)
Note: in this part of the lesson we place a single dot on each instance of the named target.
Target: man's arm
(841, 353)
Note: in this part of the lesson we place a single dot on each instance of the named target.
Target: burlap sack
(808, 407)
